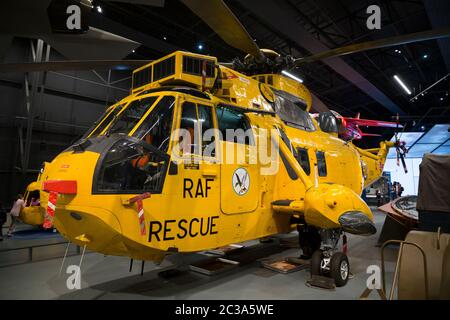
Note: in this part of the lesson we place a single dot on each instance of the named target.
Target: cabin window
(128, 119)
(206, 123)
(234, 125)
(321, 163)
(196, 120)
(157, 127)
(189, 123)
(303, 160)
(292, 110)
(328, 122)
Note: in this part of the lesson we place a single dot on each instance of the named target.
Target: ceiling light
(402, 84)
(165, 38)
(99, 9)
(133, 51)
(442, 99)
(425, 56)
(290, 75)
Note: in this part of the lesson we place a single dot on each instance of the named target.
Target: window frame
(246, 119)
(149, 112)
(321, 173)
(305, 151)
(294, 100)
(197, 101)
(102, 119)
(127, 103)
(148, 147)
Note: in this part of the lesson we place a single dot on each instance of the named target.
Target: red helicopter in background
(349, 129)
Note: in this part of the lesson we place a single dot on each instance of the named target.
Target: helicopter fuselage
(197, 200)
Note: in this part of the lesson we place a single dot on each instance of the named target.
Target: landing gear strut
(309, 240)
(329, 262)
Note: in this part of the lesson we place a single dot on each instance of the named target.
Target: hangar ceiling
(359, 82)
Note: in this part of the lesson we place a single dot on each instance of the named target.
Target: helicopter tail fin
(373, 161)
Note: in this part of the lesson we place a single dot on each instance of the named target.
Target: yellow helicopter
(177, 166)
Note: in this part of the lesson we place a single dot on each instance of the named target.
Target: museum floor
(107, 277)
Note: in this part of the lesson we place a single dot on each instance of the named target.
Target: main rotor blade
(221, 19)
(71, 65)
(377, 44)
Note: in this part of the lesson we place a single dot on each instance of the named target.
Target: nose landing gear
(328, 262)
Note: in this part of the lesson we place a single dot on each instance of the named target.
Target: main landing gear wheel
(337, 267)
(316, 260)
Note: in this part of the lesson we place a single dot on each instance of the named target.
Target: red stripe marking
(140, 208)
(50, 213)
(61, 186)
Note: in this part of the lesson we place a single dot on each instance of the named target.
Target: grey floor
(107, 277)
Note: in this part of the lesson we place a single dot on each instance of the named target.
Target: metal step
(288, 206)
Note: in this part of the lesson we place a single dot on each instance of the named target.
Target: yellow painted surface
(192, 222)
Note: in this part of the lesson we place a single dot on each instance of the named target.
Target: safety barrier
(31, 248)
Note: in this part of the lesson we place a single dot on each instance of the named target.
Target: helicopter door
(239, 170)
(197, 147)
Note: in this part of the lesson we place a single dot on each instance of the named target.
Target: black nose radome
(356, 222)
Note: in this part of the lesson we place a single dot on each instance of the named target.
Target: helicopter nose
(356, 222)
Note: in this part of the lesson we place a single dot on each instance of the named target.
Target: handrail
(398, 264)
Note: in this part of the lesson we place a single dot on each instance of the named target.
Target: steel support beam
(31, 99)
(437, 11)
(61, 93)
(284, 22)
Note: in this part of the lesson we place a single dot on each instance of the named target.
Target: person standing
(400, 189)
(378, 195)
(18, 205)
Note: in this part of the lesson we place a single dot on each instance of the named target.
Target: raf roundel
(241, 181)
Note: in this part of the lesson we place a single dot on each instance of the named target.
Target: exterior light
(290, 75)
(400, 82)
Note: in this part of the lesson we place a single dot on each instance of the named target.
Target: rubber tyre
(337, 263)
(316, 260)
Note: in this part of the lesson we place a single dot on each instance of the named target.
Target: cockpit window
(131, 166)
(157, 127)
(102, 122)
(126, 120)
(291, 110)
(105, 120)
